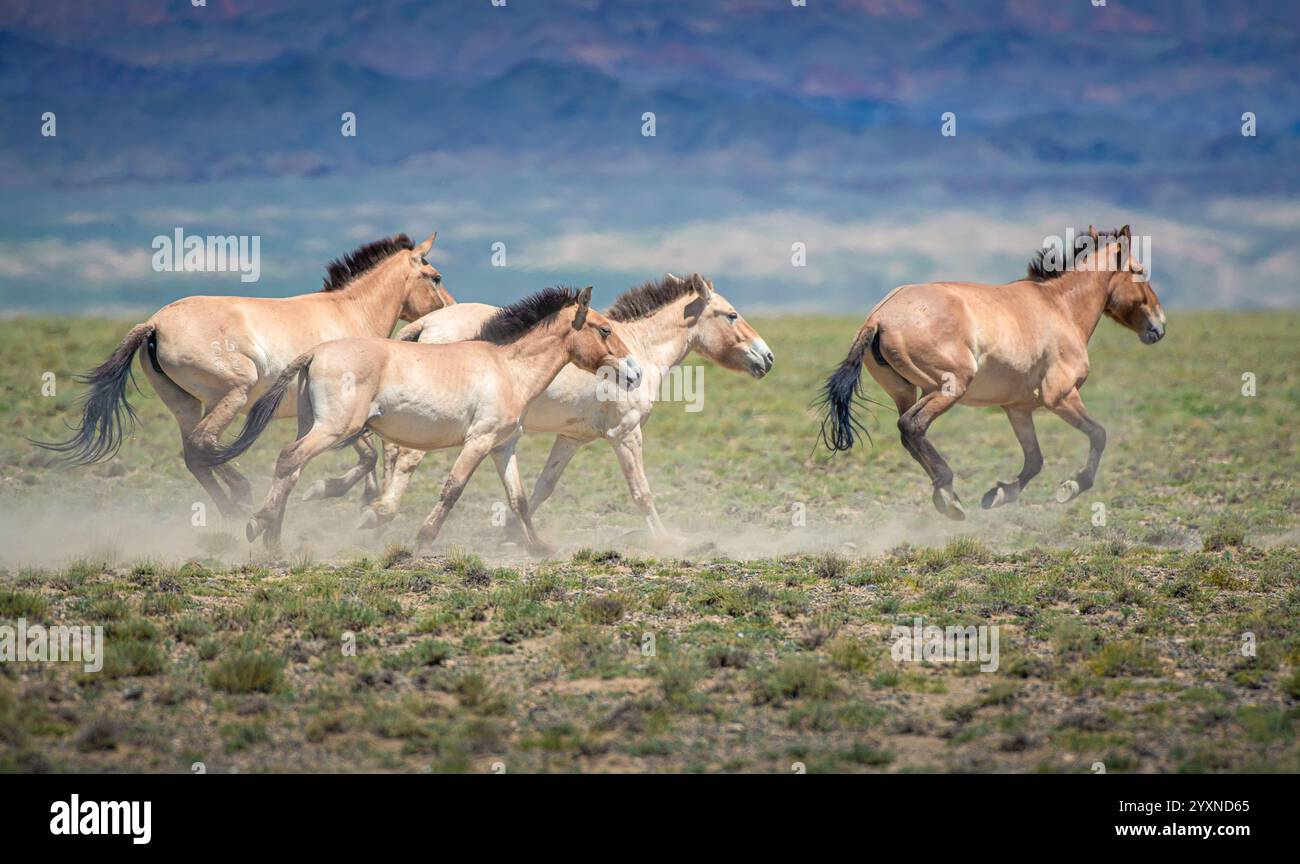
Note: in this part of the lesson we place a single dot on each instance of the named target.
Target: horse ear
(584, 304)
(423, 249)
(1124, 232)
(701, 286)
(1092, 232)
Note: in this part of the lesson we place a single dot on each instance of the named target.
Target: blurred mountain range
(524, 123)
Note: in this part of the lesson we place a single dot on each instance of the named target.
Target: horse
(210, 356)
(661, 322)
(428, 397)
(1020, 346)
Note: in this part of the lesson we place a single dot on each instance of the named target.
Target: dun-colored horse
(210, 356)
(428, 397)
(1020, 346)
(661, 322)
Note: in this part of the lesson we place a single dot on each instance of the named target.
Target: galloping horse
(432, 396)
(661, 322)
(1020, 346)
(209, 356)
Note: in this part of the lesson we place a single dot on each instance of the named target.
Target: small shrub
(1224, 534)
(247, 672)
(830, 565)
(1124, 658)
(23, 604)
(795, 678)
(601, 609)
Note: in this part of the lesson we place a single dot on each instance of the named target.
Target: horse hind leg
(336, 487)
(317, 432)
(188, 412)
(912, 427)
(1022, 423)
(203, 440)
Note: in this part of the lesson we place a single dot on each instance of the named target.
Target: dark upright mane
(343, 270)
(1040, 270)
(510, 322)
(648, 298)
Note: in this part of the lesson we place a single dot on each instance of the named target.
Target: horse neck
(536, 357)
(1084, 294)
(661, 340)
(374, 299)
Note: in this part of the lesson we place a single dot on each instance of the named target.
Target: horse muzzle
(759, 358)
(1153, 334)
(629, 373)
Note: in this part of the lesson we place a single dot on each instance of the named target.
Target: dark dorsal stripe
(510, 322)
(343, 270)
(647, 299)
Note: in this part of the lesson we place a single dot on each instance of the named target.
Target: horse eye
(733, 316)
(437, 279)
(605, 331)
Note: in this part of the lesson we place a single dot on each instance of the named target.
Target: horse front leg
(474, 451)
(631, 460)
(508, 469)
(401, 462)
(912, 427)
(561, 453)
(1022, 423)
(1071, 409)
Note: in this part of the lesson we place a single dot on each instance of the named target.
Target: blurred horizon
(522, 125)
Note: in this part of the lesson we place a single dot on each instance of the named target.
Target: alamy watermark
(37, 643)
(213, 253)
(676, 384)
(133, 819)
(1078, 252)
(946, 644)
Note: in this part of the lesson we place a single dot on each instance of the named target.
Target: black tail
(259, 416)
(842, 389)
(107, 418)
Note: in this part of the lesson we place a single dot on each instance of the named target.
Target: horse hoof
(1066, 491)
(369, 519)
(1003, 493)
(541, 549)
(252, 529)
(945, 501)
(316, 491)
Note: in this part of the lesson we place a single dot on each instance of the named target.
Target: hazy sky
(523, 126)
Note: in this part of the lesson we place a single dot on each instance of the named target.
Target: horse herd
(478, 376)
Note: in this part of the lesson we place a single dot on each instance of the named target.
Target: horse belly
(995, 384)
(419, 430)
(548, 416)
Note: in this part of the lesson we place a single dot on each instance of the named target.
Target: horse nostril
(770, 358)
